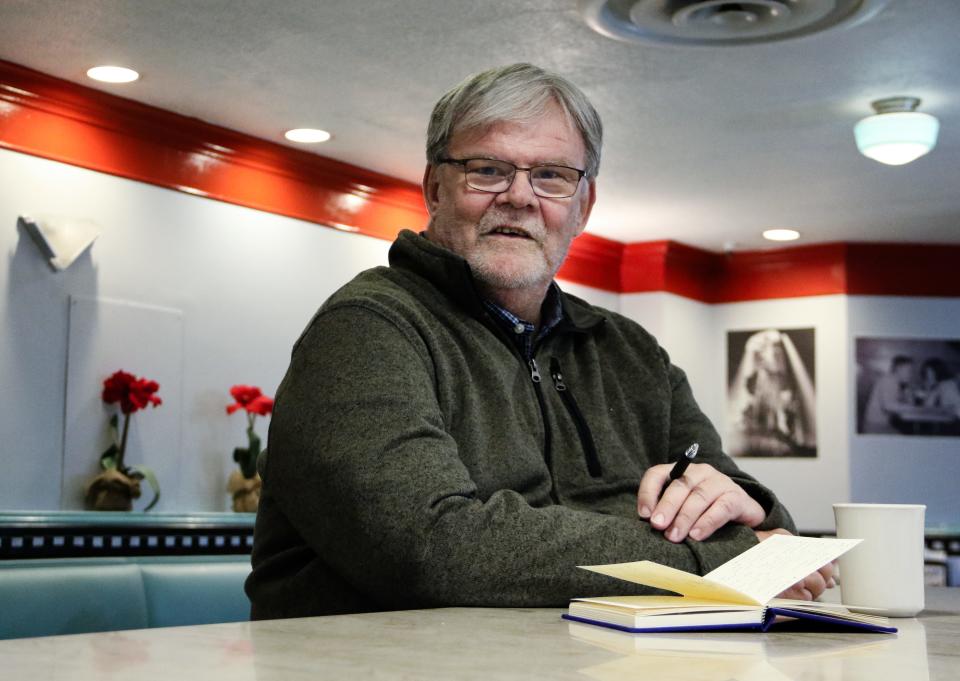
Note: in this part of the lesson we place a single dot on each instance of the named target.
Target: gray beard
(492, 277)
(486, 271)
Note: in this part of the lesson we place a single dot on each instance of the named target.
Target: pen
(681, 465)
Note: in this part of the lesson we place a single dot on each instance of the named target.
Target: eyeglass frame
(462, 162)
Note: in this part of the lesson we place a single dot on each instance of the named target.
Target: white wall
(895, 468)
(605, 299)
(246, 283)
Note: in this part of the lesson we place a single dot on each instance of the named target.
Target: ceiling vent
(719, 22)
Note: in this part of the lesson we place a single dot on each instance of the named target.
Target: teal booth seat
(196, 593)
(42, 597)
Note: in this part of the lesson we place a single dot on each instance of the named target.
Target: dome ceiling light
(720, 22)
(897, 134)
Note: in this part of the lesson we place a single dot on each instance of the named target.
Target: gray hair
(518, 92)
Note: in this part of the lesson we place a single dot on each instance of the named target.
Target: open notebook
(740, 594)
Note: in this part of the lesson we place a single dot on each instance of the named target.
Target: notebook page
(671, 579)
(777, 563)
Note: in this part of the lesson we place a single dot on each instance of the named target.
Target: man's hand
(811, 586)
(699, 503)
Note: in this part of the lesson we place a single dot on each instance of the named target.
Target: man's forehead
(552, 137)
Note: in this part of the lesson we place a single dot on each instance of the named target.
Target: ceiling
(703, 145)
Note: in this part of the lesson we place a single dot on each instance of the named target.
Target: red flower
(250, 398)
(131, 392)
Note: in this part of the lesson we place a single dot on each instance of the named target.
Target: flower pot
(112, 491)
(245, 491)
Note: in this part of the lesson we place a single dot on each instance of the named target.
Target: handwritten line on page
(777, 563)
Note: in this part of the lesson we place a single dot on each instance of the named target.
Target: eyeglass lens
(496, 176)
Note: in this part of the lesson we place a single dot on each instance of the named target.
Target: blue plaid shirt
(522, 331)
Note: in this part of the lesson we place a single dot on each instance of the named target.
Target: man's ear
(587, 200)
(431, 187)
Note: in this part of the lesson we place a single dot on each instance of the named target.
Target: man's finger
(651, 484)
(697, 501)
(700, 500)
(827, 573)
(815, 584)
(797, 592)
(724, 508)
(674, 496)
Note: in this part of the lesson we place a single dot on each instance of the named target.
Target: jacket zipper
(537, 380)
(583, 430)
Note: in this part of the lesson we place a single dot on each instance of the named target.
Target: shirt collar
(522, 331)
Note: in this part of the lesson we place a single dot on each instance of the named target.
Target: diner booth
(76, 572)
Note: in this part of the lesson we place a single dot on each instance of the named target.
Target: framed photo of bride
(771, 393)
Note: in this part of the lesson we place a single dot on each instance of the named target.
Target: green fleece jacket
(414, 461)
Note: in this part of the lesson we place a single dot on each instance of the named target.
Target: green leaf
(247, 461)
(109, 457)
(115, 430)
(254, 444)
(151, 477)
(247, 456)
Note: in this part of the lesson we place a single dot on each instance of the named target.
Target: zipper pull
(557, 376)
(534, 371)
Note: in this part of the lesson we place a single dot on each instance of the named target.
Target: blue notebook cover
(769, 620)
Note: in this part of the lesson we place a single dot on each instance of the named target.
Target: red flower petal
(244, 394)
(116, 386)
(262, 405)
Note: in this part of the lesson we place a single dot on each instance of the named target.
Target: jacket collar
(450, 274)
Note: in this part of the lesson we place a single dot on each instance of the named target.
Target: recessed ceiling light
(781, 234)
(113, 74)
(307, 135)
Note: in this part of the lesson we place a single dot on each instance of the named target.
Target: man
(455, 431)
(892, 394)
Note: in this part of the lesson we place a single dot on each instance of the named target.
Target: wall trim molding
(874, 269)
(59, 120)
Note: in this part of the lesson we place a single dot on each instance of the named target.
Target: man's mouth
(512, 232)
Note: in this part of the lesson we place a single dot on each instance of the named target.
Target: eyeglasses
(490, 175)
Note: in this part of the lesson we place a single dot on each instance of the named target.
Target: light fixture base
(895, 104)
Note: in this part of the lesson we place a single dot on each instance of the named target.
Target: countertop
(490, 644)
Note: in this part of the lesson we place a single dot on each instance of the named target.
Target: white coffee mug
(884, 573)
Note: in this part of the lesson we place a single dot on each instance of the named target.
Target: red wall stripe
(594, 261)
(903, 269)
(59, 120)
(56, 119)
(783, 273)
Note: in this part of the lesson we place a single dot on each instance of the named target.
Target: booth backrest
(195, 593)
(81, 595)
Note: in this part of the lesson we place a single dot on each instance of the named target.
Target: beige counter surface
(490, 644)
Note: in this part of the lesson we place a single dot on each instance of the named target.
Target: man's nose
(520, 192)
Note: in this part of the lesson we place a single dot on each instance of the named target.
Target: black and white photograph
(771, 395)
(908, 386)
